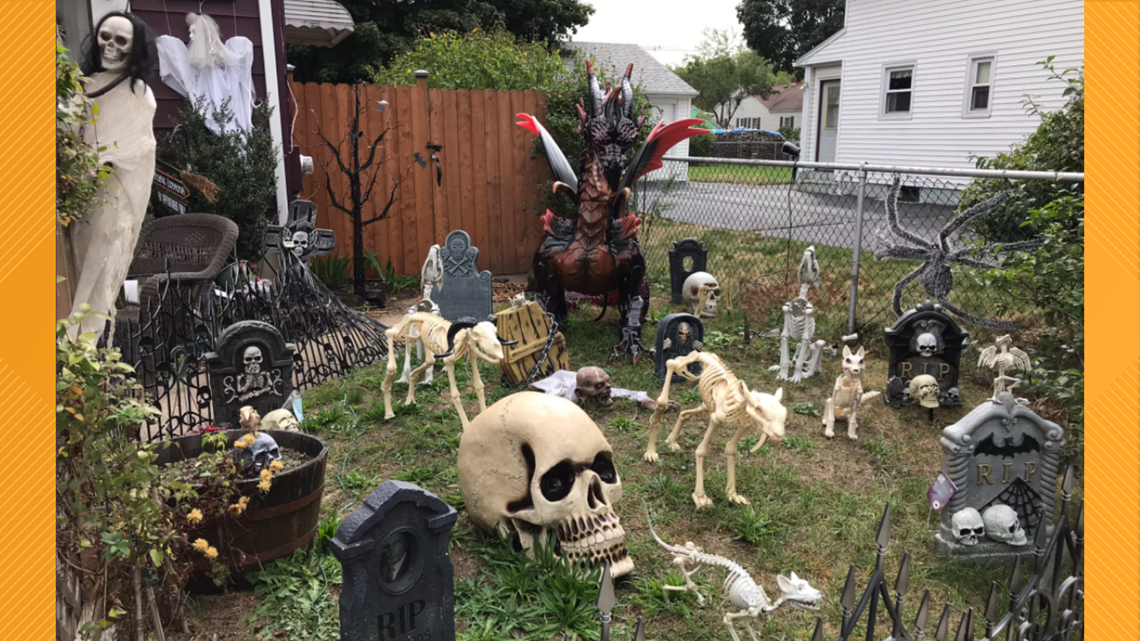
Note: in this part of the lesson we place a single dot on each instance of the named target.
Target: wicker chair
(188, 249)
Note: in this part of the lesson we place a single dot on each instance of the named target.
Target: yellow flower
(201, 545)
(211, 553)
(264, 485)
(266, 475)
(194, 517)
(277, 466)
(240, 443)
(239, 507)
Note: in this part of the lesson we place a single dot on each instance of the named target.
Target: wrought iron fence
(168, 341)
(756, 217)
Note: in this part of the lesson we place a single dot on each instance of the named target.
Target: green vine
(78, 171)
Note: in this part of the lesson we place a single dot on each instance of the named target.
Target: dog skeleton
(847, 395)
(739, 586)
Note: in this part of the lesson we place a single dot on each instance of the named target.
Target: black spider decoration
(934, 273)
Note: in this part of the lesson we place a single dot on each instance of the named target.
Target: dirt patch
(224, 615)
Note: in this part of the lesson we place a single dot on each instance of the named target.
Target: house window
(748, 123)
(899, 90)
(787, 121)
(980, 85)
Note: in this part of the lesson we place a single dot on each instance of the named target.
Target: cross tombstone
(398, 579)
(300, 231)
(924, 340)
(687, 248)
(677, 335)
(250, 365)
(1001, 453)
(466, 291)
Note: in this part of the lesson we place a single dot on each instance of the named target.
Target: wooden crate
(530, 326)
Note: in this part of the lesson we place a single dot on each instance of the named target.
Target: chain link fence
(756, 218)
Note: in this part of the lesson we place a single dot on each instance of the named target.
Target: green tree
(725, 74)
(388, 28)
(784, 30)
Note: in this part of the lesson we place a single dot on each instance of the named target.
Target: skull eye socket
(979, 531)
(557, 482)
(604, 467)
(1013, 528)
(121, 41)
(965, 531)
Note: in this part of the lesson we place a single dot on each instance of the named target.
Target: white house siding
(671, 109)
(939, 37)
(750, 107)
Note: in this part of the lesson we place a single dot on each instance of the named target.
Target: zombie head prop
(701, 293)
(1003, 526)
(924, 389)
(121, 43)
(593, 388)
(967, 526)
(535, 466)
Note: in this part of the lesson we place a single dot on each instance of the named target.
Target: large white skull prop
(593, 387)
(697, 286)
(251, 360)
(280, 420)
(927, 344)
(924, 388)
(966, 526)
(1002, 525)
(536, 466)
(116, 40)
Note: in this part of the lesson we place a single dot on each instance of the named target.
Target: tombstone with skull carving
(677, 335)
(536, 467)
(299, 235)
(701, 294)
(924, 341)
(250, 365)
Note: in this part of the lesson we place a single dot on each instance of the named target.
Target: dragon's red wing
(663, 138)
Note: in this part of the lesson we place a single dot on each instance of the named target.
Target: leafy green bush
(78, 171)
(791, 133)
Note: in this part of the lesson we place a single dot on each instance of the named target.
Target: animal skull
(593, 387)
(701, 293)
(924, 388)
(798, 593)
(518, 301)
(280, 420)
(484, 341)
(116, 41)
(534, 465)
(966, 526)
(251, 360)
(853, 361)
(1002, 525)
(927, 344)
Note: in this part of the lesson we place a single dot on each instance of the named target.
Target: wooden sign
(531, 327)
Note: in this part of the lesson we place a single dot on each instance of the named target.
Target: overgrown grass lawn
(743, 174)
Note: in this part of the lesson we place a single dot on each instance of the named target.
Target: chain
(541, 358)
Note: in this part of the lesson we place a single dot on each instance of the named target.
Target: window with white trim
(748, 123)
(980, 85)
(898, 94)
(787, 121)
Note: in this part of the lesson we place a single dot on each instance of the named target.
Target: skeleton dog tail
(868, 396)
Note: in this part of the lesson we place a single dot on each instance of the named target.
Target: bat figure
(1007, 449)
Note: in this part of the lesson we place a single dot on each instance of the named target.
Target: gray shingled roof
(651, 75)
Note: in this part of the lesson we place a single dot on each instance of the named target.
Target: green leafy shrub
(791, 133)
(78, 171)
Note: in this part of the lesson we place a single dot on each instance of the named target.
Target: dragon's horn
(627, 93)
(595, 91)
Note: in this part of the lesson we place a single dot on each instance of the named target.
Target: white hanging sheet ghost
(210, 70)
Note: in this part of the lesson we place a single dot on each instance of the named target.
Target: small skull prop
(967, 527)
(251, 360)
(701, 293)
(924, 388)
(593, 388)
(264, 450)
(300, 243)
(535, 466)
(1003, 526)
(280, 420)
(927, 344)
(116, 41)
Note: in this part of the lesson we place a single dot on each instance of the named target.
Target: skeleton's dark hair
(143, 56)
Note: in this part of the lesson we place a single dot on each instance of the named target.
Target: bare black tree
(363, 174)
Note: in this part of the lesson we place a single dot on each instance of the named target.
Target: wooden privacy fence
(487, 183)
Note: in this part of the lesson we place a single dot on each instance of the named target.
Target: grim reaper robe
(104, 241)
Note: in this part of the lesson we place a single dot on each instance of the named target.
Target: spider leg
(970, 262)
(893, 215)
(904, 252)
(896, 302)
(979, 209)
(983, 322)
(1021, 246)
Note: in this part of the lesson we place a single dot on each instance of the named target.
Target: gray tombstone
(300, 231)
(682, 249)
(924, 340)
(251, 365)
(466, 291)
(1000, 454)
(677, 335)
(398, 579)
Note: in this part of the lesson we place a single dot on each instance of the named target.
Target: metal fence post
(858, 249)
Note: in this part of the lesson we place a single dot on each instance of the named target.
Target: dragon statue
(596, 252)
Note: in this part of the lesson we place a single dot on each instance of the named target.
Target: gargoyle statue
(596, 252)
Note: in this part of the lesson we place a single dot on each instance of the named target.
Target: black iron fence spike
(847, 600)
(902, 583)
(922, 619)
(991, 606)
(884, 536)
(943, 628)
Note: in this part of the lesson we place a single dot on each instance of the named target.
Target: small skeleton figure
(1002, 356)
(809, 272)
(967, 527)
(799, 326)
(739, 586)
(431, 275)
(847, 395)
(924, 389)
(518, 301)
(253, 382)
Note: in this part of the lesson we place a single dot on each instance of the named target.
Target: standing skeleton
(447, 341)
(799, 326)
(431, 278)
(1002, 356)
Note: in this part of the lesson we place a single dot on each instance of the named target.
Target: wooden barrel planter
(277, 522)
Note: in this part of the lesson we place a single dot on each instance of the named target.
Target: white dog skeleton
(847, 395)
(742, 590)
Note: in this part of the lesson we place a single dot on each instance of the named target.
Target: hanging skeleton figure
(597, 252)
(1003, 356)
(431, 277)
(449, 342)
(799, 326)
(938, 256)
(741, 589)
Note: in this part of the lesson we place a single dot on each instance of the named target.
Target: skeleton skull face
(684, 334)
(280, 420)
(966, 526)
(263, 452)
(1002, 525)
(116, 40)
(701, 293)
(485, 341)
(593, 387)
(536, 466)
(924, 388)
(853, 361)
(300, 243)
(251, 360)
(927, 344)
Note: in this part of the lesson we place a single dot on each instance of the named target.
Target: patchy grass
(815, 502)
(743, 174)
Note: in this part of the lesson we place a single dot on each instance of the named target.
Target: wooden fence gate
(487, 183)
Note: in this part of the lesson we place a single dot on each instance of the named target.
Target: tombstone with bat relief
(398, 578)
(1003, 460)
(466, 291)
(299, 234)
(250, 365)
(687, 257)
(924, 340)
